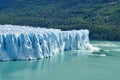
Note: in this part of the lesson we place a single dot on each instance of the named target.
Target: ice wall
(23, 42)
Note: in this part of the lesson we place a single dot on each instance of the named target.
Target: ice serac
(23, 42)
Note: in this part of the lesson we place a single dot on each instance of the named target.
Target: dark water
(72, 65)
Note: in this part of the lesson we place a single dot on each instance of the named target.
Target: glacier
(25, 43)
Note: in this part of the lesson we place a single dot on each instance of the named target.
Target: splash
(91, 48)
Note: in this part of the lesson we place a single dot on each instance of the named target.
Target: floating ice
(23, 42)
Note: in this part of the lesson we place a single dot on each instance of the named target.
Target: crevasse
(23, 42)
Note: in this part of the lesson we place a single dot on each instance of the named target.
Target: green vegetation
(101, 17)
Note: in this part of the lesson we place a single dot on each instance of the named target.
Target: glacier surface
(24, 42)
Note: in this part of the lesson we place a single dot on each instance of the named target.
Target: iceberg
(24, 42)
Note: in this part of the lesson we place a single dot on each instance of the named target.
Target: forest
(101, 17)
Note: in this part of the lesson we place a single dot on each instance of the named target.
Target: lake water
(72, 65)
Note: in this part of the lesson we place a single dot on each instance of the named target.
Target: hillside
(101, 17)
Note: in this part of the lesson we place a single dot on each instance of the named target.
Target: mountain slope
(101, 17)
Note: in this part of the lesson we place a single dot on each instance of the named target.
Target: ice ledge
(24, 42)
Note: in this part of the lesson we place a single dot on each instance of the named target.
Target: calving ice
(23, 42)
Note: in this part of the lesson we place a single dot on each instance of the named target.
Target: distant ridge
(101, 17)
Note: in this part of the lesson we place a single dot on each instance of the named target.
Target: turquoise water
(72, 65)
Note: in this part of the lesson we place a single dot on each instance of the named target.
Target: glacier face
(23, 42)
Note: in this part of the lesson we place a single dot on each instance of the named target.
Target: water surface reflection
(9, 69)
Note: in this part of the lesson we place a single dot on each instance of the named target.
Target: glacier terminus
(24, 42)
